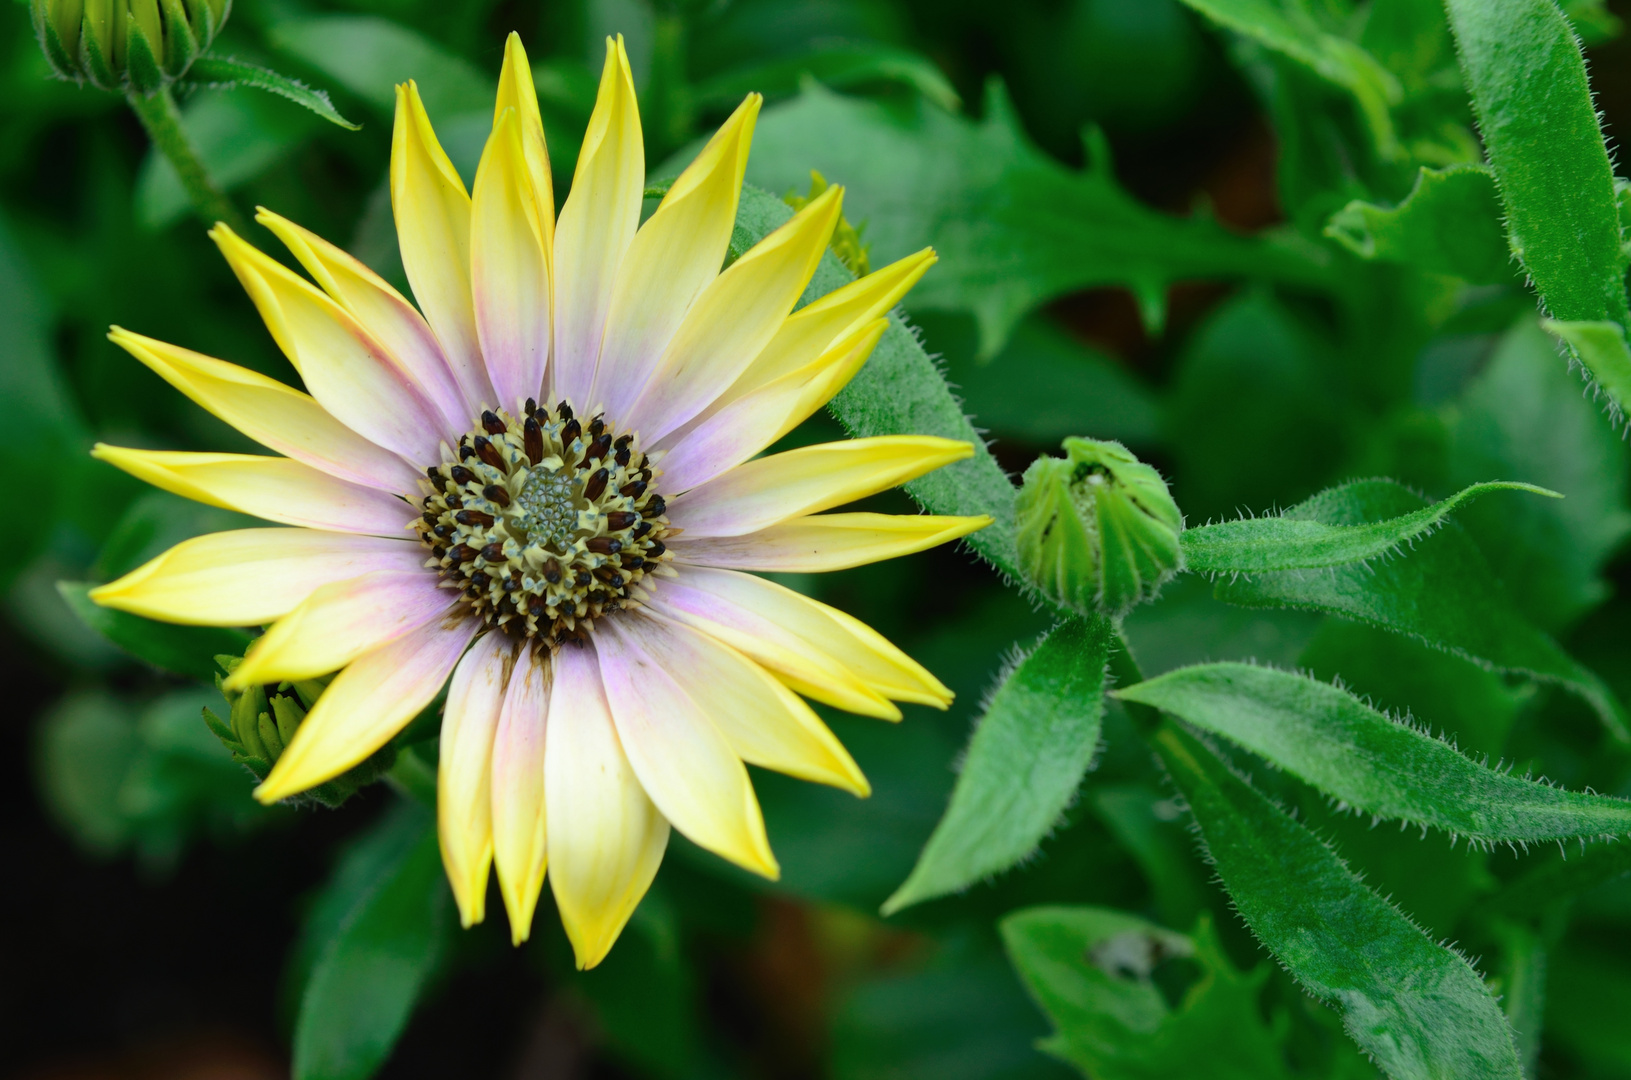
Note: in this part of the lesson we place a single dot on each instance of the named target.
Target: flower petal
(598, 222)
(815, 545)
(274, 488)
(808, 332)
(247, 577)
(509, 271)
(755, 420)
(791, 658)
(733, 319)
(339, 622)
(383, 311)
(683, 761)
(464, 808)
(366, 705)
(606, 838)
(516, 91)
(519, 841)
(759, 611)
(347, 369)
(765, 723)
(433, 230)
(278, 417)
(771, 489)
(674, 256)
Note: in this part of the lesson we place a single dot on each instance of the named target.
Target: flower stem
(162, 120)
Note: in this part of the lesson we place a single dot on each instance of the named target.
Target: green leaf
(1545, 144)
(369, 56)
(185, 650)
(1013, 227)
(900, 391)
(1149, 826)
(1441, 593)
(1524, 416)
(225, 73)
(1450, 223)
(1291, 30)
(1522, 988)
(1261, 545)
(389, 907)
(1025, 762)
(1551, 885)
(839, 65)
(1089, 969)
(1371, 762)
(1601, 346)
(1416, 1007)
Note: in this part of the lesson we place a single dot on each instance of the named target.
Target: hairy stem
(162, 120)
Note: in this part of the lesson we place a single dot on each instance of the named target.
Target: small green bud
(126, 45)
(846, 238)
(1098, 530)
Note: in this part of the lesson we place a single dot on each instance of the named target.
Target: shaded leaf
(393, 907)
(1417, 1008)
(839, 65)
(1450, 223)
(1260, 545)
(1024, 764)
(226, 73)
(1441, 593)
(1013, 227)
(370, 55)
(1089, 969)
(1371, 762)
(185, 650)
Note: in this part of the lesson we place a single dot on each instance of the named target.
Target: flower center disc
(544, 524)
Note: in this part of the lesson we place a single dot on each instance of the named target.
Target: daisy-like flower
(543, 483)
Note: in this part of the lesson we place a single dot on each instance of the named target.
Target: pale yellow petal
(686, 765)
(520, 848)
(278, 417)
(516, 91)
(509, 272)
(733, 319)
(812, 478)
(597, 224)
(274, 488)
(783, 653)
(765, 723)
(349, 371)
(464, 809)
(366, 705)
(382, 310)
(676, 253)
(339, 622)
(248, 577)
(817, 544)
(433, 231)
(755, 420)
(809, 331)
(763, 611)
(606, 838)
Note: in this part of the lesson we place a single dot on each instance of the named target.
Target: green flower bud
(262, 721)
(124, 45)
(1098, 530)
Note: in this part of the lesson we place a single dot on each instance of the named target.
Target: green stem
(162, 120)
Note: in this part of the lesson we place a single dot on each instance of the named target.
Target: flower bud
(261, 722)
(1098, 530)
(124, 45)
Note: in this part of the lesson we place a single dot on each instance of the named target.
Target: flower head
(542, 483)
(140, 45)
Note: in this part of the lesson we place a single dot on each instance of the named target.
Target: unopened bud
(262, 721)
(1098, 530)
(124, 45)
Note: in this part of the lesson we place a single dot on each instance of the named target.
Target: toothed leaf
(1417, 1008)
(1330, 739)
(225, 72)
(1450, 223)
(1259, 545)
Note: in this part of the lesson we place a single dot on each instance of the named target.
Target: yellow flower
(576, 569)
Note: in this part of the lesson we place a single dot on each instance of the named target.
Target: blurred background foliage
(1131, 206)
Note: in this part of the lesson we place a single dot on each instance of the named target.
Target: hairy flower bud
(122, 45)
(1098, 530)
(261, 720)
